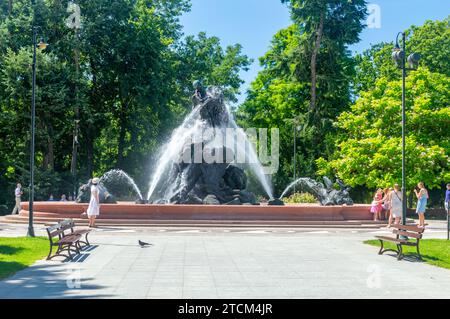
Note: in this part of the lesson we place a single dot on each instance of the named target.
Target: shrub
(300, 198)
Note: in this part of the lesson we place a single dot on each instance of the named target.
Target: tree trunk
(49, 158)
(51, 154)
(90, 129)
(314, 64)
(10, 7)
(90, 154)
(73, 166)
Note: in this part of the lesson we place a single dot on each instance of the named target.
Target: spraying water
(255, 164)
(288, 188)
(193, 125)
(325, 193)
(171, 150)
(119, 174)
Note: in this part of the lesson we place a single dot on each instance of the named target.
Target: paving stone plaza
(229, 263)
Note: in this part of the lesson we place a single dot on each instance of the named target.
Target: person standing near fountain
(422, 198)
(18, 193)
(396, 205)
(387, 202)
(94, 205)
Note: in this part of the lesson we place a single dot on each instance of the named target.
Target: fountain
(115, 176)
(326, 195)
(198, 180)
(183, 177)
(84, 194)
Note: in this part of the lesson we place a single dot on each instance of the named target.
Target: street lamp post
(295, 123)
(399, 56)
(295, 154)
(297, 128)
(41, 45)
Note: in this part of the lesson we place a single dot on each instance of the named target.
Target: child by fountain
(94, 205)
(377, 206)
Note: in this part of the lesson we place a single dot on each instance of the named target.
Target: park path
(220, 264)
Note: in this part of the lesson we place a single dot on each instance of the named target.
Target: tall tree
(203, 57)
(369, 146)
(368, 150)
(431, 40)
(330, 25)
(128, 73)
(320, 35)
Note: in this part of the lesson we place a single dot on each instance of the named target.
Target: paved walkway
(228, 264)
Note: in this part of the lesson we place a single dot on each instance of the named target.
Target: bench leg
(418, 251)
(58, 253)
(86, 239)
(400, 252)
(382, 248)
(50, 253)
(59, 250)
(73, 247)
(85, 243)
(68, 251)
(77, 247)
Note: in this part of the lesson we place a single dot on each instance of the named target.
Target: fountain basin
(141, 201)
(129, 211)
(276, 202)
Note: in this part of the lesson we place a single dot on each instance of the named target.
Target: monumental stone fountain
(181, 177)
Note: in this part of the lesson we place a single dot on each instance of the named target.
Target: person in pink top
(377, 204)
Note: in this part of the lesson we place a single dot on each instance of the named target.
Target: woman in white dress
(94, 205)
(396, 205)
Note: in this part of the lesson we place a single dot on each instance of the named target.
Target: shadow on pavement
(52, 281)
(55, 279)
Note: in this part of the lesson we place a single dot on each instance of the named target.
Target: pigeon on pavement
(143, 244)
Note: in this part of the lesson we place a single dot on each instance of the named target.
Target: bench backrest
(408, 231)
(67, 224)
(58, 229)
(54, 231)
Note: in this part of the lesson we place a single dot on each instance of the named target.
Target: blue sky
(253, 23)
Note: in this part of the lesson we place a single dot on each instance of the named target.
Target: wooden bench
(69, 225)
(400, 232)
(67, 243)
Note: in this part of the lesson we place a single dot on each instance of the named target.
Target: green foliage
(300, 198)
(369, 145)
(431, 40)
(282, 91)
(127, 72)
(369, 148)
(204, 58)
(342, 17)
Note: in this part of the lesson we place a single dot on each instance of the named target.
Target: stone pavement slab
(219, 264)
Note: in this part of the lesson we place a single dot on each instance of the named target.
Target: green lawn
(19, 253)
(434, 251)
